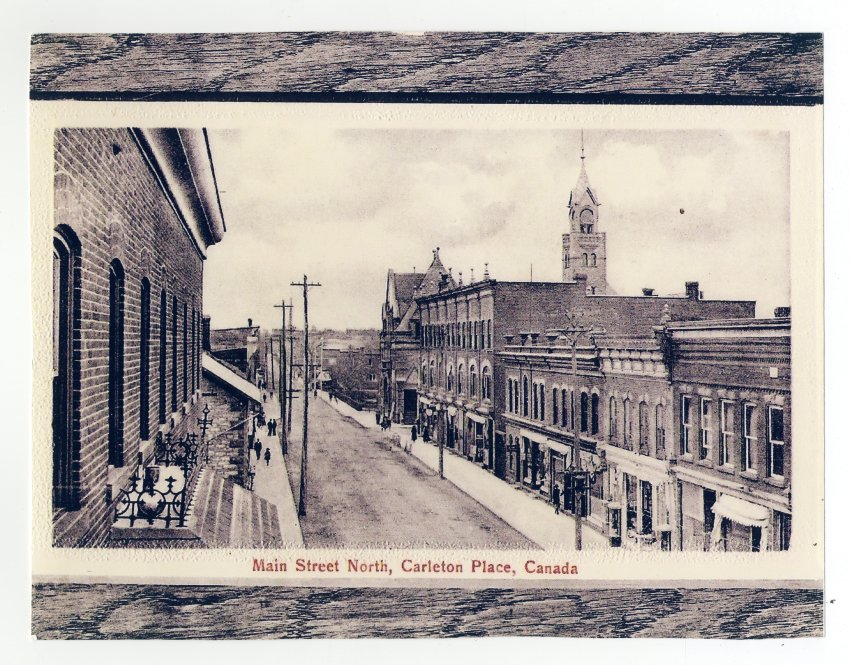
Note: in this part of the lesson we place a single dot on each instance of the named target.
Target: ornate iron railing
(143, 501)
(146, 499)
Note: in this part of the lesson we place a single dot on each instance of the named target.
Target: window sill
(727, 469)
(776, 481)
(749, 475)
(705, 463)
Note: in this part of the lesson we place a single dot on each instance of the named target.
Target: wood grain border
(484, 68)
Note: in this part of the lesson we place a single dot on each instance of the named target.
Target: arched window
(627, 424)
(593, 259)
(422, 374)
(145, 360)
(116, 364)
(584, 258)
(612, 417)
(486, 386)
(583, 404)
(594, 414)
(659, 431)
(525, 396)
(566, 260)
(460, 378)
(185, 351)
(66, 368)
(163, 353)
(431, 373)
(449, 380)
(643, 428)
(554, 406)
(473, 381)
(463, 335)
(542, 402)
(174, 353)
(534, 401)
(564, 409)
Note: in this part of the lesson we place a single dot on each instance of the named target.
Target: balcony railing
(162, 497)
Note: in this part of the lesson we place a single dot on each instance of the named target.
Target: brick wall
(107, 195)
(228, 450)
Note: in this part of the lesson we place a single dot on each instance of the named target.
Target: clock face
(587, 216)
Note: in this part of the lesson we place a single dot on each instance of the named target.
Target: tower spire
(582, 147)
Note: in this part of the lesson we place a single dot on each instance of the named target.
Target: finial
(486, 271)
(582, 144)
(460, 277)
(665, 314)
(471, 275)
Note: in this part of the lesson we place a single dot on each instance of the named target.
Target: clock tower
(584, 246)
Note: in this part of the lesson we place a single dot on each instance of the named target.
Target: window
(564, 409)
(727, 411)
(431, 373)
(525, 396)
(748, 441)
(612, 417)
(174, 353)
(643, 428)
(584, 259)
(583, 406)
(463, 335)
(554, 406)
(460, 378)
(145, 361)
(473, 381)
(163, 357)
(66, 368)
(483, 334)
(535, 402)
(627, 424)
(185, 352)
(449, 379)
(776, 441)
(542, 402)
(593, 259)
(489, 333)
(660, 434)
(704, 428)
(566, 260)
(516, 396)
(594, 414)
(116, 364)
(486, 383)
(422, 374)
(686, 426)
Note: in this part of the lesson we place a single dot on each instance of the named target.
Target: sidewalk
(532, 517)
(271, 481)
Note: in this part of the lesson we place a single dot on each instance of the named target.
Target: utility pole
(288, 423)
(283, 389)
(572, 333)
(270, 351)
(302, 491)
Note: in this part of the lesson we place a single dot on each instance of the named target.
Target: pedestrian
(268, 456)
(377, 418)
(269, 428)
(414, 432)
(274, 427)
(264, 398)
(426, 434)
(409, 447)
(556, 498)
(258, 448)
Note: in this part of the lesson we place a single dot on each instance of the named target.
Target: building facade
(135, 211)
(731, 385)
(400, 339)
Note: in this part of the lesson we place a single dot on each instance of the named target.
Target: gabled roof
(404, 284)
(430, 282)
(230, 378)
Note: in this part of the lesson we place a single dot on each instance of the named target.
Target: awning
(475, 417)
(425, 400)
(740, 511)
(558, 447)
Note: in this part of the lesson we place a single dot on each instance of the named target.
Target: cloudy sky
(344, 205)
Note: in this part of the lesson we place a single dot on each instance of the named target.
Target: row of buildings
(150, 430)
(681, 405)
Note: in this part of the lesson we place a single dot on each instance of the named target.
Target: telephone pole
(288, 423)
(302, 490)
(283, 389)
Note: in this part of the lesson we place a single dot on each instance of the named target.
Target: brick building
(400, 337)
(240, 349)
(731, 391)
(135, 211)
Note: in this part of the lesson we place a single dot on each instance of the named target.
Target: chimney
(782, 313)
(205, 340)
(250, 322)
(692, 290)
(648, 292)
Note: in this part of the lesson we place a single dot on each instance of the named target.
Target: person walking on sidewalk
(556, 498)
(258, 448)
(274, 427)
(267, 456)
(413, 434)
